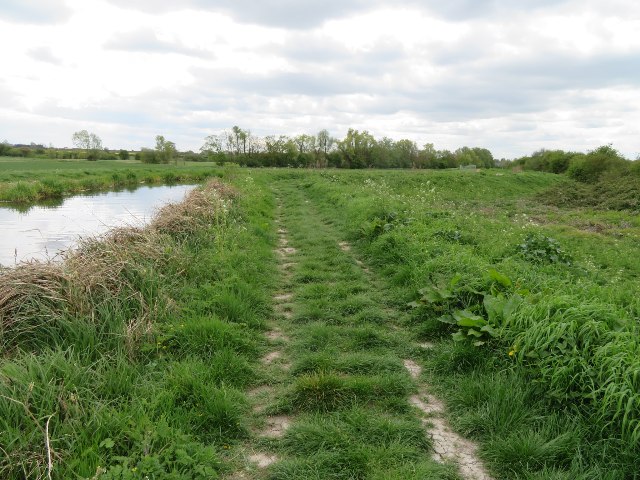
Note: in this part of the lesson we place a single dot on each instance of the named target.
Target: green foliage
(590, 167)
(539, 248)
(380, 224)
(485, 310)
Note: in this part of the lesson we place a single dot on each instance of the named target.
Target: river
(43, 231)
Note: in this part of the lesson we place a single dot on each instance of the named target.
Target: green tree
(165, 150)
(406, 153)
(590, 167)
(427, 157)
(5, 148)
(357, 149)
(214, 148)
(324, 145)
(123, 154)
(89, 142)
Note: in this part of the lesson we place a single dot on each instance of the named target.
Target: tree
(5, 148)
(165, 150)
(89, 142)
(280, 151)
(588, 168)
(406, 153)
(214, 147)
(428, 156)
(324, 144)
(357, 149)
(123, 154)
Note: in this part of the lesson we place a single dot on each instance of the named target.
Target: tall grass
(109, 370)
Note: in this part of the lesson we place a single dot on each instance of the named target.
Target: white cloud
(512, 76)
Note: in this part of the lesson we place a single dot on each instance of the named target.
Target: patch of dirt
(263, 460)
(448, 445)
(284, 309)
(344, 246)
(426, 345)
(271, 357)
(287, 265)
(283, 242)
(260, 391)
(276, 335)
(276, 426)
(414, 369)
(282, 231)
(283, 297)
(285, 251)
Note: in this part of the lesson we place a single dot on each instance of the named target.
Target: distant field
(18, 168)
(32, 179)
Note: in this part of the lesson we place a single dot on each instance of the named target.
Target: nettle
(477, 314)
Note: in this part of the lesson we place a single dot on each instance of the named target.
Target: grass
(142, 348)
(27, 180)
(110, 356)
(574, 350)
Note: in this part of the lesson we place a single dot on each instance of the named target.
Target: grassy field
(333, 324)
(24, 180)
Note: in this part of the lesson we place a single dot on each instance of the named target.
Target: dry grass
(103, 269)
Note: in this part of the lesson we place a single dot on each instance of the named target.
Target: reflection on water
(41, 231)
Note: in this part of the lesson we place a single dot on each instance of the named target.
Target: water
(42, 231)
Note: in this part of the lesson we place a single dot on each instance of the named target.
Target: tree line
(358, 149)
(590, 167)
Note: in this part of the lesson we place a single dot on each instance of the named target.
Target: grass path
(345, 396)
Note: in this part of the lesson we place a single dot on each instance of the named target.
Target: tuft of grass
(324, 392)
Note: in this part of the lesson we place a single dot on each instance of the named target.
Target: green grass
(148, 374)
(130, 377)
(27, 180)
(569, 393)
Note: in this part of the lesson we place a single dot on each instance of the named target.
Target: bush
(590, 167)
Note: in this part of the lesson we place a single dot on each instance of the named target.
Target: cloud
(147, 41)
(44, 54)
(304, 14)
(34, 11)
(290, 14)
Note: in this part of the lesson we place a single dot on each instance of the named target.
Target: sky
(513, 76)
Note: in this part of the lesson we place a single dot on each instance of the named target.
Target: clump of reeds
(200, 208)
(31, 296)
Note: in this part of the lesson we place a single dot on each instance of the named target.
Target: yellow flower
(512, 353)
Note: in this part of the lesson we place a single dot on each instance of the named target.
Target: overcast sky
(510, 75)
